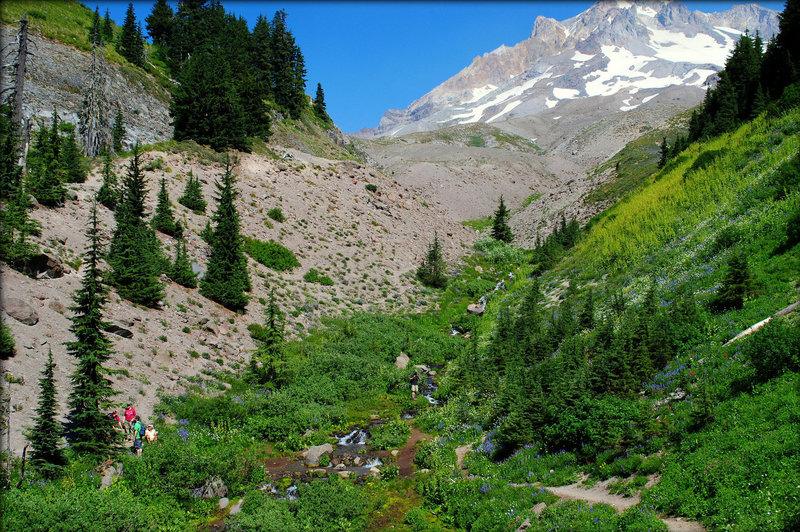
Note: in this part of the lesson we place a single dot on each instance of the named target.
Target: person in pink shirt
(130, 414)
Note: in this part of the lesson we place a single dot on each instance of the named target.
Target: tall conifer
(500, 229)
(129, 43)
(90, 430)
(226, 279)
(319, 104)
(193, 194)
(164, 220)
(108, 29)
(46, 433)
(135, 255)
(108, 194)
(432, 271)
(181, 271)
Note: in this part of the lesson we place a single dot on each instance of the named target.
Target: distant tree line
(754, 80)
(228, 76)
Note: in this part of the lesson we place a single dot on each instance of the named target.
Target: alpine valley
(559, 291)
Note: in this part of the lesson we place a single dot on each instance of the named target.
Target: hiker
(414, 380)
(151, 434)
(130, 414)
(118, 422)
(138, 432)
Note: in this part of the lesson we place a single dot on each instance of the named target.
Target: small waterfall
(373, 462)
(291, 493)
(356, 437)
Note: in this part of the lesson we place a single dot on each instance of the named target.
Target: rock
(357, 461)
(422, 368)
(539, 508)
(432, 373)
(210, 327)
(423, 471)
(214, 488)
(340, 466)
(525, 525)
(374, 417)
(315, 453)
(43, 266)
(402, 361)
(223, 503)
(374, 472)
(236, 508)
(475, 309)
(201, 321)
(109, 474)
(344, 474)
(113, 328)
(478, 269)
(395, 452)
(21, 311)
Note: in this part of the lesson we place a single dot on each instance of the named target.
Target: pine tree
(586, 318)
(108, 28)
(10, 171)
(500, 229)
(267, 362)
(95, 32)
(432, 270)
(90, 430)
(15, 229)
(109, 193)
(226, 279)
(181, 271)
(737, 285)
(45, 178)
(129, 44)
(193, 194)
(662, 161)
(159, 23)
(163, 220)
(135, 255)
(118, 131)
(319, 105)
(45, 436)
(7, 348)
(205, 107)
(298, 83)
(70, 160)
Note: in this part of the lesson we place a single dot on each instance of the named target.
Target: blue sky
(374, 56)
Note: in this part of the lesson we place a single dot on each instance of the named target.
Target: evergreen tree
(319, 105)
(193, 194)
(108, 28)
(159, 23)
(90, 430)
(109, 193)
(129, 44)
(118, 131)
(95, 32)
(267, 362)
(226, 279)
(70, 160)
(298, 86)
(500, 229)
(7, 349)
(207, 233)
(163, 220)
(10, 171)
(45, 436)
(586, 318)
(736, 285)
(181, 271)
(46, 178)
(135, 255)
(16, 227)
(432, 271)
(204, 106)
(662, 161)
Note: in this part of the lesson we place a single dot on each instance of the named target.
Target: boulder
(539, 508)
(43, 266)
(357, 461)
(236, 508)
(113, 328)
(475, 309)
(214, 488)
(21, 311)
(344, 474)
(109, 474)
(374, 472)
(395, 452)
(315, 453)
(402, 361)
(422, 368)
(223, 503)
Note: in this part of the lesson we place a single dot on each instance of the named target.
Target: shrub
(271, 254)
(276, 214)
(371, 187)
(313, 276)
(499, 253)
(389, 435)
(774, 350)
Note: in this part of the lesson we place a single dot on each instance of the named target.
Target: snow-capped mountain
(629, 52)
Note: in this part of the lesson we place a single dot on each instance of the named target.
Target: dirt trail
(599, 494)
(405, 460)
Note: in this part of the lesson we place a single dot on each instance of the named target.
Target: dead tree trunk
(20, 68)
(93, 120)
